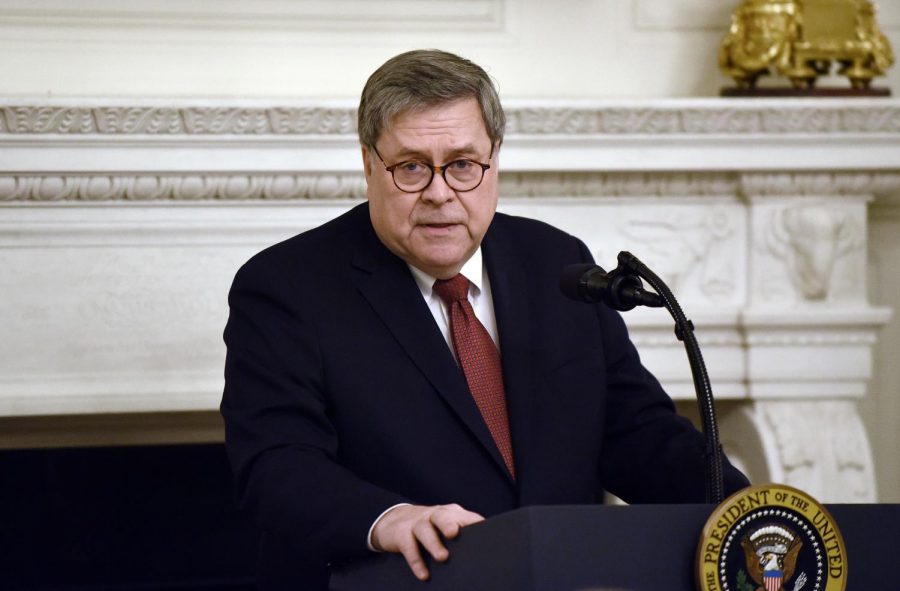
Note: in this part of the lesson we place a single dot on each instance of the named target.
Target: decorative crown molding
(141, 120)
(698, 117)
(226, 187)
(618, 184)
(192, 187)
(328, 186)
(819, 184)
(737, 119)
(836, 339)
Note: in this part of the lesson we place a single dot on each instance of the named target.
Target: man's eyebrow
(410, 153)
(467, 150)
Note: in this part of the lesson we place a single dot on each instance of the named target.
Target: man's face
(436, 229)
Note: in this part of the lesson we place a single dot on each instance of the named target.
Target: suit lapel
(387, 284)
(511, 300)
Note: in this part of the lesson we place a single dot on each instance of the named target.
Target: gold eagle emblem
(771, 554)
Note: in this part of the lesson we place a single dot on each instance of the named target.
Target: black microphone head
(573, 281)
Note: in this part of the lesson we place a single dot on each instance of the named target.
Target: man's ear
(367, 161)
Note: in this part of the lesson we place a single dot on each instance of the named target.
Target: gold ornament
(801, 39)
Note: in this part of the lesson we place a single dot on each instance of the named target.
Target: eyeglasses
(412, 176)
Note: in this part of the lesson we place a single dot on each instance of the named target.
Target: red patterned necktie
(480, 361)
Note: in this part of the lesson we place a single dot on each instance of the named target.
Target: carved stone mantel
(122, 224)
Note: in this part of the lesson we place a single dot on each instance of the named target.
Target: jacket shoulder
(539, 238)
(321, 247)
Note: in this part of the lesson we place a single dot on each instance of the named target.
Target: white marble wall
(327, 48)
(881, 408)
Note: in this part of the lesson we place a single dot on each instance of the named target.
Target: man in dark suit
(411, 367)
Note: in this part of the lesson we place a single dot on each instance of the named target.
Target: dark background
(152, 517)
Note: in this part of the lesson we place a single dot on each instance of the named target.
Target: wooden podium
(609, 548)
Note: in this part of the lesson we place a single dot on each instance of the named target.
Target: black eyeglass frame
(442, 169)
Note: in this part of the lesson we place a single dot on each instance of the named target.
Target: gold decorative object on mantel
(801, 40)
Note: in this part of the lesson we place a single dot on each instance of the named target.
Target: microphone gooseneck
(622, 290)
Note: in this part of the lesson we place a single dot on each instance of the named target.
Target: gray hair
(426, 78)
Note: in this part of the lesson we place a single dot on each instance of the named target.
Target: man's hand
(403, 528)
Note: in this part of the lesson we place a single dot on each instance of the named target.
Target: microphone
(621, 291)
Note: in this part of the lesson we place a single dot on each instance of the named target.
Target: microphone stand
(684, 330)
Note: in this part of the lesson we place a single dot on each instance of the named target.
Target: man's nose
(438, 191)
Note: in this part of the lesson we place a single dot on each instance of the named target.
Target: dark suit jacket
(342, 397)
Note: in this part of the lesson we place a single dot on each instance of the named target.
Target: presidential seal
(771, 538)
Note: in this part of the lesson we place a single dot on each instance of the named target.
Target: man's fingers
(448, 526)
(428, 536)
(450, 518)
(468, 518)
(403, 528)
(410, 551)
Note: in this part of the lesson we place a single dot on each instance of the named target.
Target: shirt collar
(472, 269)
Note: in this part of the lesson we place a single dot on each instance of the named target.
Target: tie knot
(453, 289)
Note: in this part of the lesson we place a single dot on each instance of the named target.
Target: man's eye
(412, 167)
(461, 164)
